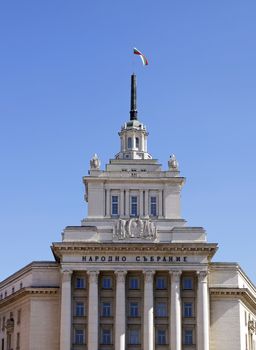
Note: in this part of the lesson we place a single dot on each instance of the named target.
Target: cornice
(135, 179)
(243, 294)
(42, 291)
(60, 248)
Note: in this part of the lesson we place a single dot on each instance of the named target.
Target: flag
(143, 58)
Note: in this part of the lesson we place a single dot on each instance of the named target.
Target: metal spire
(133, 111)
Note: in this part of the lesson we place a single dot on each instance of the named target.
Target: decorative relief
(120, 276)
(93, 276)
(251, 327)
(136, 228)
(149, 276)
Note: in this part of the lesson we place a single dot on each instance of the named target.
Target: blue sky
(64, 93)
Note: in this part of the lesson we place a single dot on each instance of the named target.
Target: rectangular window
(187, 310)
(19, 317)
(188, 337)
(129, 142)
(80, 282)
(79, 336)
(153, 211)
(106, 282)
(2, 348)
(187, 283)
(106, 309)
(134, 310)
(106, 336)
(161, 337)
(133, 283)
(134, 337)
(161, 310)
(134, 206)
(3, 323)
(18, 341)
(137, 142)
(114, 205)
(161, 282)
(79, 309)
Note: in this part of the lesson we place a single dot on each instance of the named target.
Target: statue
(95, 162)
(173, 163)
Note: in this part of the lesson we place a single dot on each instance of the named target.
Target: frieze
(135, 228)
(134, 259)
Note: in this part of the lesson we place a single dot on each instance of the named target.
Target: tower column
(148, 335)
(202, 312)
(121, 212)
(120, 324)
(127, 203)
(65, 317)
(175, 316)
(141, 203)
(108, 202)
(160, 203)
(146, 203)
(93, 323)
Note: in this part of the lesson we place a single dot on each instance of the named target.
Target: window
(161, 310)
(79, 309)
(188, 338)
(13, 290)
(106, 282)
(114, 205)
(134, 283)
(3, 323)
(153, 206)
(21, 285)
(161, 337)
(137, 142)
(134, 337)
(19, 316)
(187, 310)
(80, 282)
(106, 309)
(18, 341)
(79, 336)
(187, 283)
(5, 294)
(1, 296)
(161, 282)
(134, 206)
(2, 344)
(129, 142)
(134, 310)
(106, 336)
(9, 341)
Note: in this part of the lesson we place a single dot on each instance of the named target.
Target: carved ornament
(136, 228)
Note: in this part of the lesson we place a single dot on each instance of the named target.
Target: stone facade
(133, 275)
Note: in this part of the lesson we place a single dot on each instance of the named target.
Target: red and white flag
(143, 58)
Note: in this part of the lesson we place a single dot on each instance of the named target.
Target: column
(93, 323)
(127, 203)
(175, 316)
(146, 203)
(160, 203)
(202, 312)
(121, 209)
(141, 203)
(148, 334)
(65, 316)
(120, 324)
(108, 202)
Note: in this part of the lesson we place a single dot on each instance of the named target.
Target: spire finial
(133, 111)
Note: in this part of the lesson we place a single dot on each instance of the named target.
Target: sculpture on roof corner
(173, 163)
(95, 162)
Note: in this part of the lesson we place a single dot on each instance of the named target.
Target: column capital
(66, 275)
(149, 275)
(93, 276)
(120, 276)
(175, 274)
(202, 276)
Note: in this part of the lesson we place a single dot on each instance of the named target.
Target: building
(133, 275)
